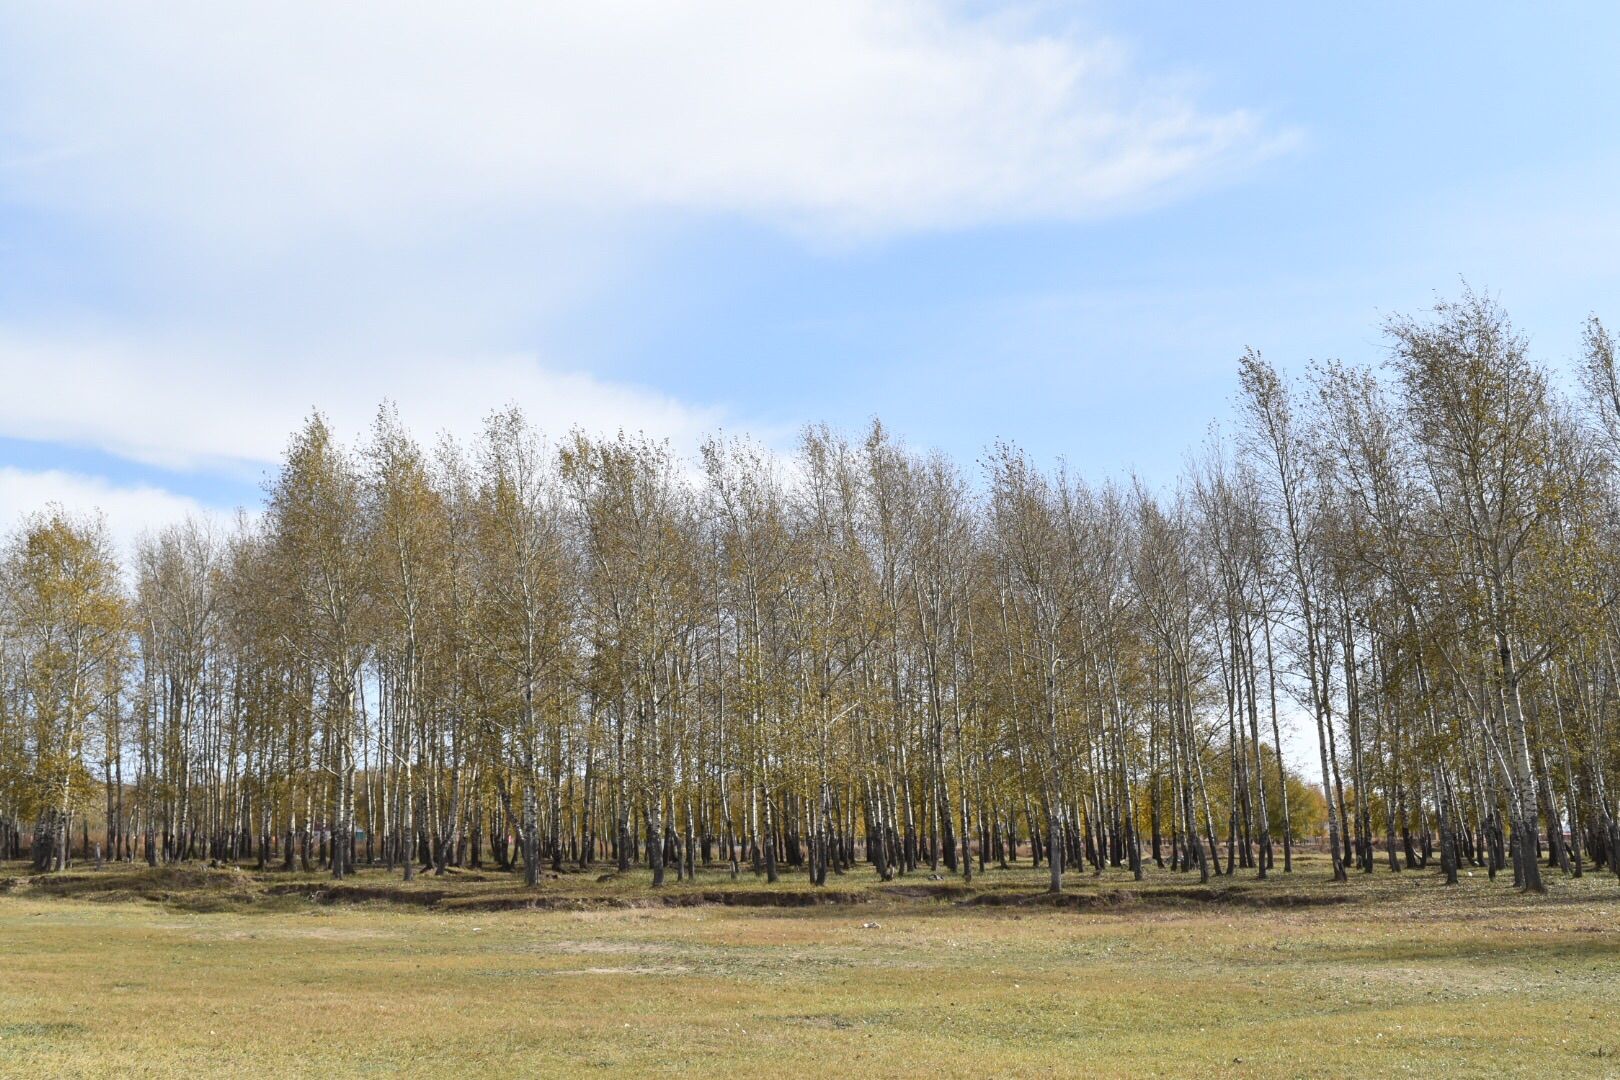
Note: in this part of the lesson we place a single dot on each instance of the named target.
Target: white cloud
(256, 123)
(270, 207)
(130, 510)
(192, 408)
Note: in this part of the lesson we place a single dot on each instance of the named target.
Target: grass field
(137, 972)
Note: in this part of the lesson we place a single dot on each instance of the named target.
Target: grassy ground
(137, 972)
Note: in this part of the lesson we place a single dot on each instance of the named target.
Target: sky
(1058, 224)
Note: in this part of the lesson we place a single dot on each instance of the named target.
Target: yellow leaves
(62, 576)
(67, 632)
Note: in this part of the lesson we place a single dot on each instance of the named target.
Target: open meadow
(222, 972)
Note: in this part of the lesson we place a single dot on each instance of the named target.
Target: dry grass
(226, 973)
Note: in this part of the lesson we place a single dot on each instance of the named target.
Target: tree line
(555, 654)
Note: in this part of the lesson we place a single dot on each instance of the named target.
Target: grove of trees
(534, 654)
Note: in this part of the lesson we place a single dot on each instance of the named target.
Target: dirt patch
(206, 889)
(198, 888)
(944, 891)
(145, 880)
(782, 898)
(800, 898)
(360, 894)
(1114, 899)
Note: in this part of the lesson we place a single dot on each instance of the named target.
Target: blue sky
(1058, 224)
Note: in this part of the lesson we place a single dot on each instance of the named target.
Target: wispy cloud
(192, 408)
(260, 121)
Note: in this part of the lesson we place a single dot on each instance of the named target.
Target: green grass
(137, 972)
